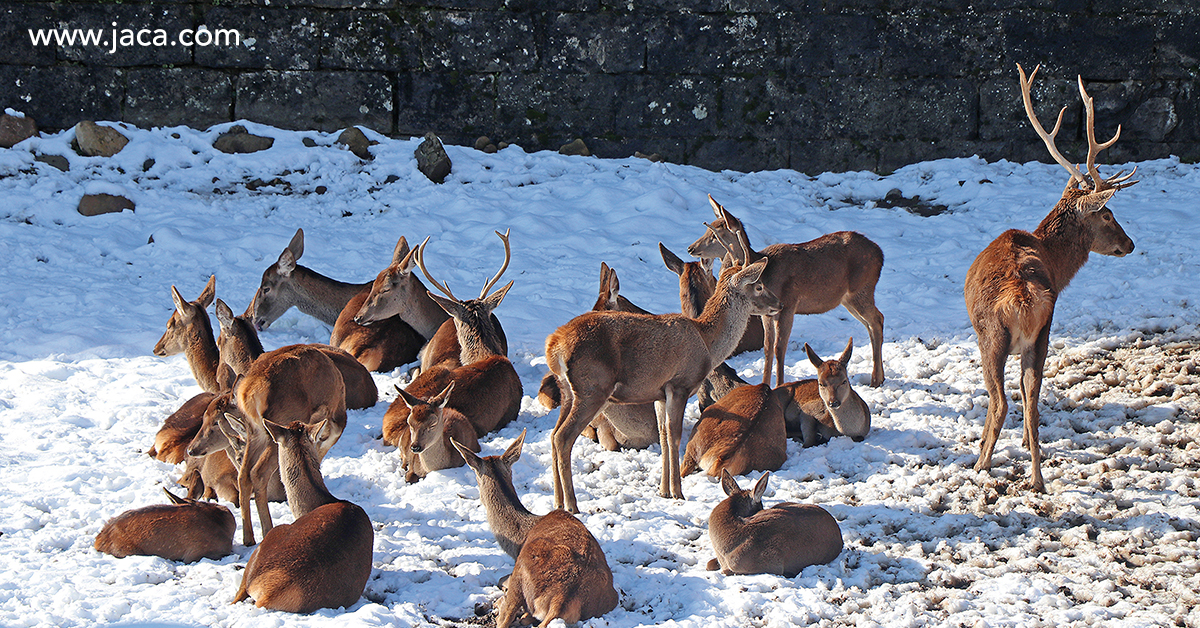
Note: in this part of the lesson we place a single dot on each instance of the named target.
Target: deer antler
(504, 267)
(1048, 138)
(1116, 181)
(445, 289)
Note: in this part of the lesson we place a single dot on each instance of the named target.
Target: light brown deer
(185, 530)
(292, 383)
(323, 559)
(431, 425)
(741, 432)
(816, 410)
(238, 346)
(210, 477)
(631, 426)
(171, 441)
(782, 539)
(190, 332)
(1013, 284)
(560, 572)
(616, 357)
(489, 388)
(810, 278)
(217, 451)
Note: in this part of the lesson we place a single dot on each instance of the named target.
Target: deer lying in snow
(323, 559)
(819, 409)
(560, 572)
(431, 425)
(185, 530)
(782, 539)
(743, 431)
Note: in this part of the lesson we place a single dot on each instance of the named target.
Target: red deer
(215, 457)
(323, 559)
(190, 332)
(810, 278)
(431, 425)
(1013, 284)
(741, 432)
(560, 572)
(211, 477)
(617, 357)
(822, 408)
(171, 441)
(239, 346)
(185, 530)
(782, 539)
(489, 390)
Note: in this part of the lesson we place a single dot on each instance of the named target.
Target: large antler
(1116, 181)
(1048, 138)
(503, 267)
(445, 288)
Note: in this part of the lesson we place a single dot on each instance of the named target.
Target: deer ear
(473, 459)
(401, 251)
(670, 259)
(275, 430)
(760, 487)
(845, 359)
(813, 357)
(513, 452)
(409, 261)
(493, 300)
(1094, 202)
(408, 399)
(716, 207)
(206, 295)
(453, 308)
(224, 315)
(286, 263)
(443, 397)
(707, 264)
(751, 273)
(296, 246)
(175, 499)
(179, 301)
(729, 484)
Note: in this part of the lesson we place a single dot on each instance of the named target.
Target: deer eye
(266, 289)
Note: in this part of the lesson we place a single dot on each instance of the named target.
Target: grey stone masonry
(811, 85)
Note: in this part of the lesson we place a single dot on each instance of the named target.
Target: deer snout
(834, 403)
(416, 449)
(858, 439)
(260, 324)
(1125, 248)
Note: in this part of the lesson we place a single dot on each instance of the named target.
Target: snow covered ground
(929, 541)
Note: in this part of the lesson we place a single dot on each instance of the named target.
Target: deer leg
(768, 323)
(261, 478)
(992, 354)
(862, 306)
(783, 326)
(245, 488)
(577, 412)
(1033, 363)
(671, 432)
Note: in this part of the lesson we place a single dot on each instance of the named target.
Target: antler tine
(1118, 181)
(1047, 138)
(1094, 148)
(443, 288)
(504, 267)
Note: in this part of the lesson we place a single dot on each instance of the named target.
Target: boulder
(93, 140)
(575, 148)
(15, 129)
(354, 139)
(238, 140)
(97, 204)
(432, 159)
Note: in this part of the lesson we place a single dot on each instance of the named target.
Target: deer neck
(300, 471)
(1066, 241)
(722, 322)
(322, 297)
(725, 526)
(852, 416)
(203, 357)
(426, 316)
(508, 518)
(476, 344)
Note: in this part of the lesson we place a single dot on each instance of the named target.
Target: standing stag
(1012, 286)
(810, 278)
(617, 357)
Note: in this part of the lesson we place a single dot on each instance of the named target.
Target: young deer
(816, 410)
(616, 357)
(631, 426)
(323, 559)
(1013, 284)
(185, 530)
(238, 346)
(190, 332)
(782, 539)
(431, 425)
(560, 572)
(810, 278)
(218, 450)
(489, 390)
(213, 476)
(744, 431)
(286, 284)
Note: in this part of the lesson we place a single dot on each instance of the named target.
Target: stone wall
(812, 85)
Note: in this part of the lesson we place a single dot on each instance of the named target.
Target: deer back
(561, 573)
(293, 383)
(380, 346)
(190, 332)
(171, 441)
(286, 284)
(185, 530)
(743, 431)
(783, 539)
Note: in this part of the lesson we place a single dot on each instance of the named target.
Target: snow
(928, 540)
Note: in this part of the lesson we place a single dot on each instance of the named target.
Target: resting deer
(323, 559)
(741, 432)
(185, 530)
(822, 408)
(782, 539)
(616, 357)
(1012, 286)
(217, 450)
(431, 425)
(211, 477)
(171, 441)
(190, 332)
(810, 278)
(489, 390)
(632, 426)
(238, 346)
(560, 572)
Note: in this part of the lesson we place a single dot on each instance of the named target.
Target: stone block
(432, 160)
(924, 110)
(1177, 53)
(16, 21)
(687, 43)
(60, 96)
(1002, 112)
(594, 42)
(136, 25)
(325, 101)
(1101, 48)
(375, 40)
(769, 107)
(669, 106)
(831, 45)
(544, 111)
(742, 155)
(270, 38)
(459, 107)
(196, 97)
(468, 41)
(919, 44)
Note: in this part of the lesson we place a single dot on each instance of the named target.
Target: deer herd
(622, 376)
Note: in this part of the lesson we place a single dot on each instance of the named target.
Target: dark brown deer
(560, 572)
(810, 278)
(1013, 284)
(286, 284)
(782, 539)
(185, 530)
(617, 357)
(431, 425)
(744, 431)
(323, 559)
(190, 332)
(816, 410)
(238, 346)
